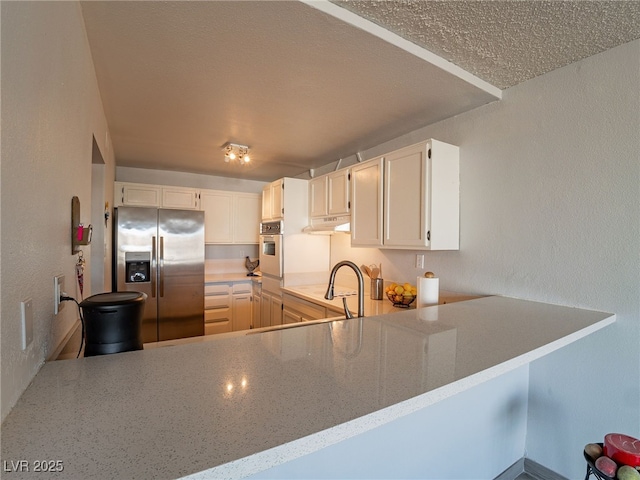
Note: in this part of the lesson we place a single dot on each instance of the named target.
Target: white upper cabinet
(180, 197)
(329, 194)
(230, 217)
(273, 201)
(287, 198)
(137, 195)
(367, 202)
(246, 217)
(419, 186)
(144, 195)
(318, 196)
(218, 216)
(338, 192)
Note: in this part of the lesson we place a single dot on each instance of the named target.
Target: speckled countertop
(230, 277)
(315, 293)
(225, 407)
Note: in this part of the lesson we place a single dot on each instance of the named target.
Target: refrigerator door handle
(153, 267)
(161, 262)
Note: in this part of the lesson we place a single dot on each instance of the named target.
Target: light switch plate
(419, 261)
(58, 288)
(26, 314)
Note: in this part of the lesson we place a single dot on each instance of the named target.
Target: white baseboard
(55, 355)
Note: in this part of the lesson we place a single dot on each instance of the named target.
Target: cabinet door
(318, 196)
(289, 316)
(218, 216)
(338, 192)
(241, 312)
(139, 195)
(366, 206)
(406, 200)
(266, 203)
(265, 310)
(183, 198)
(277, 200)
(246, 218)
(273, 201)
(276, 310)
(256, 311)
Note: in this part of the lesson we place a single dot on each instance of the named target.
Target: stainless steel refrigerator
(160, 252)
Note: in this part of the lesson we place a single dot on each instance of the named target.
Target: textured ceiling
(507, 42)
(304, 83)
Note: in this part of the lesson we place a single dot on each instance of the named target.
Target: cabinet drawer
(217, 321)
(217, 315)
(217, 301)
(244, 287)
(217, 288)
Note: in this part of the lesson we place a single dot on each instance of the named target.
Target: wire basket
(402, 301)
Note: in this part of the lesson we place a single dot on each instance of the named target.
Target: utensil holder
(377, 288)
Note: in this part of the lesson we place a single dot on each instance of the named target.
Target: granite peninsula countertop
(225, 407)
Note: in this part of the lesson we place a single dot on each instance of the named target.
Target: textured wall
(51, 108)
(550, 182)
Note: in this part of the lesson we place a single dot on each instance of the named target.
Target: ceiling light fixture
(233, 151)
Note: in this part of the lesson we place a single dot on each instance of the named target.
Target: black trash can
(113, 322)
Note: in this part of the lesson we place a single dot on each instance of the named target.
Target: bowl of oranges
(401, 295)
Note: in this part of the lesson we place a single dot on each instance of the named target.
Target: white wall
(51, 109)
(550, 211)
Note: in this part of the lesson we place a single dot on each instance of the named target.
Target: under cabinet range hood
(329, 225)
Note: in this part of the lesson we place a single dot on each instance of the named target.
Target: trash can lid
(113, 298)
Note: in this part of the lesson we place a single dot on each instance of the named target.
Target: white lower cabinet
(265, 310)
(256, 305)
(276, 310)
(241, 312)
(227, 307)
(271, 308)
(296, 309)
(217, 308)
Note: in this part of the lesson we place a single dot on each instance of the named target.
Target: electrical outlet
(26, 314)
(419, 261)
(58, 288)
